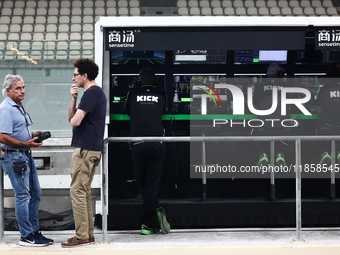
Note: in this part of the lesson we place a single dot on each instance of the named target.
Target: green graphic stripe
(213, 116)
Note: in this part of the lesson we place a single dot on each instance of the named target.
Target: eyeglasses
(76, 74)
(29, 121)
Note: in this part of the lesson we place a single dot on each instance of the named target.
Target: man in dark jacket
(145, 105)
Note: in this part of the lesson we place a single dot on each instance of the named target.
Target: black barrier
(203, 140)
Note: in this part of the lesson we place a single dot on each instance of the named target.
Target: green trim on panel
(304, 117)
(213, 116)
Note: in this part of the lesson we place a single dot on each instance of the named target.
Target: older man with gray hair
(16, 141)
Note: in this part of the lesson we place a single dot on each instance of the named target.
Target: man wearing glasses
(16, 141)
(88, 122)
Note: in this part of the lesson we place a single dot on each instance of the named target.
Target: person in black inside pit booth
(145, 105)
(263, 101)
(328, 108)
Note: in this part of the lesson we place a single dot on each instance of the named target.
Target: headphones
(280, 73)
(275, 71)
(136, 82)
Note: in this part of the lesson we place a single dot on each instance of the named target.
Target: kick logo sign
(147, 99)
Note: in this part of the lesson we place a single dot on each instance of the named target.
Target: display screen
(260, 57)
(312, 82)
(308, 56)
(122, 83)
(185, 102)
(243, 81)
(331, 56)
(200, 57)
(317, 57)
(137, 57)
(184, 82)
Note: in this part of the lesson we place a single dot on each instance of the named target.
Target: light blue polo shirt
(12, 122)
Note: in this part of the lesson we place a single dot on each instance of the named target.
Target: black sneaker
(32, 241)
(163, 223)
(38, 235)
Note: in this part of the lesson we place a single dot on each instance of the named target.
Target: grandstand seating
(64, 29)
(257, 7)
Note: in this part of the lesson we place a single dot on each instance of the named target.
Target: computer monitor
(308, 57)
(184, 82)
(309, 80)
(245, 80)
(185, 103)
(322, 57)
(200, 57)
(312, 82)
(330, 56)
(146, 58)
(260, 57)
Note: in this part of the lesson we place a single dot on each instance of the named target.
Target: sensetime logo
(239, 101)
(122, 39)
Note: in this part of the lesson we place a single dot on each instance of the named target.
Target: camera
(42, 136)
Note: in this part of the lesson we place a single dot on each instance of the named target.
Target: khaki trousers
(82, 171)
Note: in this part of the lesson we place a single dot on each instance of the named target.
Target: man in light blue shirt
(16, 141)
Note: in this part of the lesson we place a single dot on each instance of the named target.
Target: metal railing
(203, 140)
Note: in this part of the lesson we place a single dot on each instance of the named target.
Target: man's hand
(32, 143)
(72, 109)
(10, 141)
(74, 91)
(36, 133)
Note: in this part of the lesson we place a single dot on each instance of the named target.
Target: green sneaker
(263, 160)
(280, 160)
(338, 157)
(148, 231)
(163, 223)
(325, 158)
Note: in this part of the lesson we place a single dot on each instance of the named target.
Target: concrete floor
(198, 241)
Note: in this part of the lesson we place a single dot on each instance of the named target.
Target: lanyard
(27, 118)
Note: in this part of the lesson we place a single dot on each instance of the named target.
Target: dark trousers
(148, 161)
